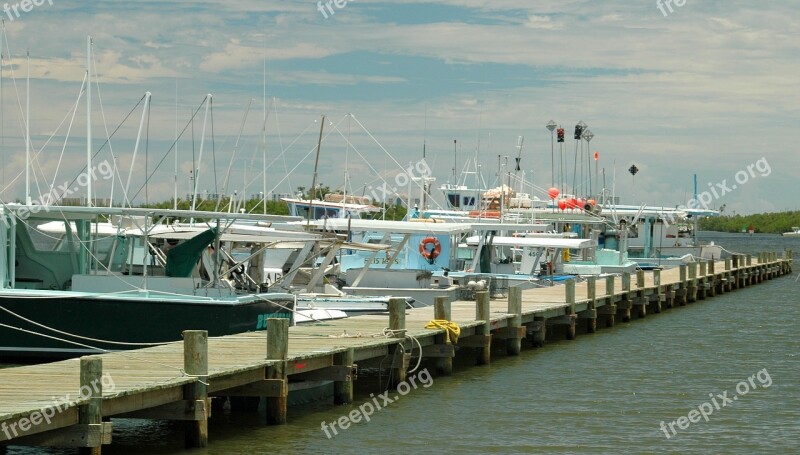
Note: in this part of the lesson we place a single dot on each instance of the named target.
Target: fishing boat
(79, 293)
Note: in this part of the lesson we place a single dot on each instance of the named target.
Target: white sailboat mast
(28, 134)
(89, 120)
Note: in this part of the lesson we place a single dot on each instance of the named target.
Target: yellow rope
(452, 329)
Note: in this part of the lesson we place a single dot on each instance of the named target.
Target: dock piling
(625, 304)
(609, 310)
(195, 364)
(343, 390)
(277, 350)
(483, 313)
(397, 325)
(442, 311)
(91, 413)
(514, 334)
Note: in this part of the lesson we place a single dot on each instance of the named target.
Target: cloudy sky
(710, 88)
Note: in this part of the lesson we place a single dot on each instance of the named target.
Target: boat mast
(28, 134)
(200, 157)
(88, 120)
(314, 178)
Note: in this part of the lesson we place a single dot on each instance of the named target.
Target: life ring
(430, 254)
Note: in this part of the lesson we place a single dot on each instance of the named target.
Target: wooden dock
(71, 403)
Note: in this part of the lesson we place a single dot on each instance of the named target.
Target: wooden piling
(195, 364)
(625, 305)
(569, 290)
(692, 283)
(397, 325)
(590, 314)
(640, 301)
(683, 290)
(343, 390)
(278, 351)
(483, 313)
(442, 311)
(610, 308)
(91, 413)
(659, 295)
(514, 344)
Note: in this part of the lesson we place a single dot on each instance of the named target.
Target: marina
(176, 380)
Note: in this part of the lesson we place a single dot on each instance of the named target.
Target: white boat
(795, 232)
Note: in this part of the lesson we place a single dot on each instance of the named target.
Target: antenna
(88, 120)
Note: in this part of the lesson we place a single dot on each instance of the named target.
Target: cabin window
(469, 201)
(452, 199)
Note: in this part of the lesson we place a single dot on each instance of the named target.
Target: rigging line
(355, 149)
(14, 81)
(83, 169)
(280, 142)
(146, 154)
(313, 149)
(37, 153)
(66, 139)
(189, 123)
(233, 157)
(105, 127)
(213, 148)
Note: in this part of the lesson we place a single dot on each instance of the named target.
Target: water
(600, 394)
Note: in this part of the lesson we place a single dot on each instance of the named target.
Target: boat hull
(121, 319)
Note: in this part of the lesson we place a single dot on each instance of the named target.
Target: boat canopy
(396, 227)
(536, 242)
(182, 258)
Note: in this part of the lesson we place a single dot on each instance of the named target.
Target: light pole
(588, 135)
(551, 125)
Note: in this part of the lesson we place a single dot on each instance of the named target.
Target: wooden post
(569, 290)
(278, 351)
(728, 275)
(483, 313)
(91, 412)
(195, 364)
(397, 324)
(640, 279)
(442, 310)
(684, 286)
(343, 390)
(591, 294)
(626, 304)
(540, 331)
(702, 290)
(692, 297)
(514, 345)
(610, 308)
(659, 291)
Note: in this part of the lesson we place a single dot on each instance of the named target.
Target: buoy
(553, 192)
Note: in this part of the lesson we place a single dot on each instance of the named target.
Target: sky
(705, 88)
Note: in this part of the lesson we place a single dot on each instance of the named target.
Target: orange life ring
(433, 253)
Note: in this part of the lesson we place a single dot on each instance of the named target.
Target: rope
(452, 329)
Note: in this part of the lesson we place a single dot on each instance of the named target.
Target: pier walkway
(71, 403)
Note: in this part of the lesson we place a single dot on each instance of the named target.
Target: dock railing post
(514, 344)
(91, 413)
(442, 311)
(277, 351)
(397, 325)
(483, 313)
(195, 364)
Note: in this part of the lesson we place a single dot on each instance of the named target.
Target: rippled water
(602, 393)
